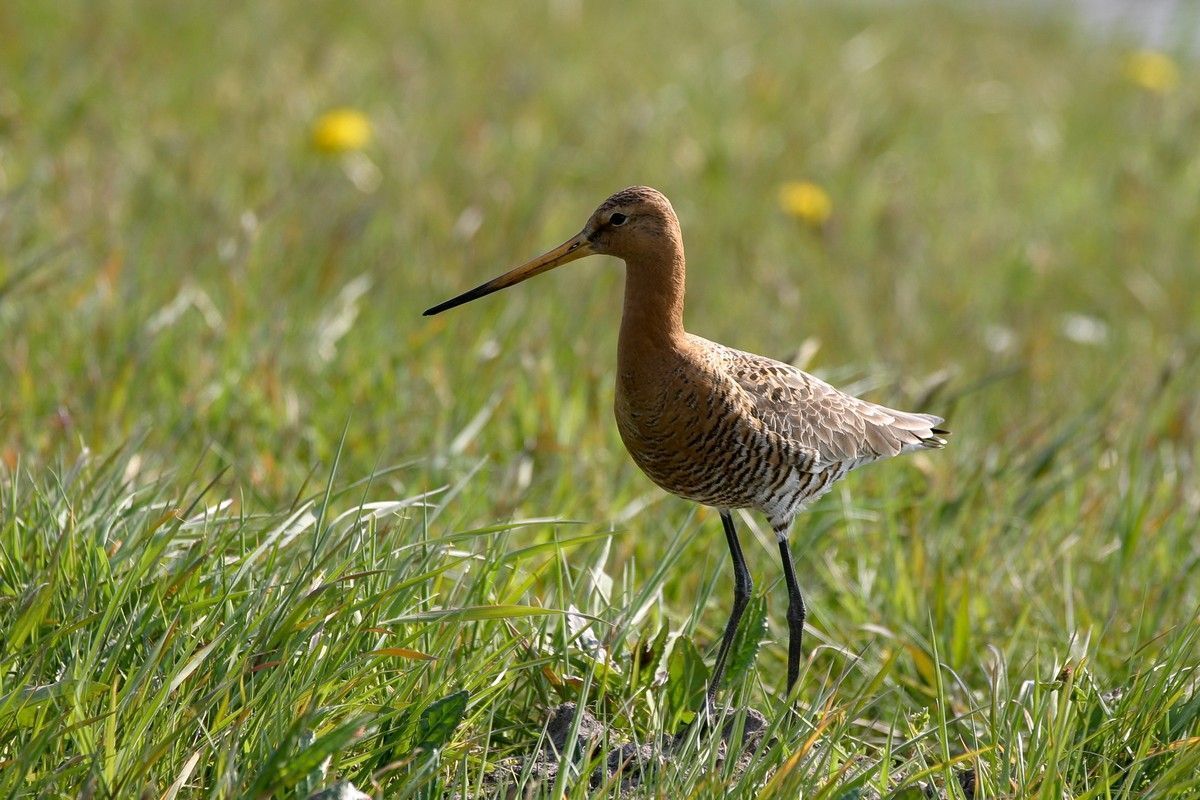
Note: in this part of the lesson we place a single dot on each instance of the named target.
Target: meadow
(265, 528)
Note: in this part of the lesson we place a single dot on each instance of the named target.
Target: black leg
(795, 613)
(742, 586)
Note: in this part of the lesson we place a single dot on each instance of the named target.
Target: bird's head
(637, 221)
(632, 222)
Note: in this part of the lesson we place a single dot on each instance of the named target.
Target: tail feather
(924, 428)
(936, 440)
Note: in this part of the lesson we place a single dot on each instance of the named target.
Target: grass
(263, 527)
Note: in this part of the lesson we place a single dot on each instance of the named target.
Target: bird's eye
(617, 220)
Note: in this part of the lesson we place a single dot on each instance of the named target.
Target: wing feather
(824, 424)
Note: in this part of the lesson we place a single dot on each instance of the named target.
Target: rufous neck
(654, 288)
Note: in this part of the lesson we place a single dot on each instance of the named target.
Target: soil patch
(627, 764)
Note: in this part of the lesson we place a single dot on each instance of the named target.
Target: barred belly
(798, 489)
(724, 461)
(712, 453)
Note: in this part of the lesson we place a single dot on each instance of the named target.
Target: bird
(718, 426)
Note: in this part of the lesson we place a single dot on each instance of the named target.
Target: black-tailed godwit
(712, 424)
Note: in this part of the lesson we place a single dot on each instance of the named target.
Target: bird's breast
(693, 434)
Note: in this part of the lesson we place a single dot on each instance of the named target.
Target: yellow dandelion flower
(1151, 70)
(341, 131)
(806, 201)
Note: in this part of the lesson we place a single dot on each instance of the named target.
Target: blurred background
(220, 223)
(997, 203)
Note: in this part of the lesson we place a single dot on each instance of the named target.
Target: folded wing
(824, 424)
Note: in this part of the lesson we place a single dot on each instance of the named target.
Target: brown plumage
(712, 424)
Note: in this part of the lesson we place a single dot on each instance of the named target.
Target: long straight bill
(570, 250)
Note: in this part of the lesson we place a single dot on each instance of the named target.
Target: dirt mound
(627, 764)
